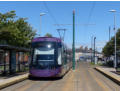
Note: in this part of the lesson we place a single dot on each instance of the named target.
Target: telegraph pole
(73, 46)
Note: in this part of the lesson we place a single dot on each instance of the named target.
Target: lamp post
(41, 14)
(113, 11)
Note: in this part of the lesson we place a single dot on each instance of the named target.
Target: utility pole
(73, 46)
(94, 49)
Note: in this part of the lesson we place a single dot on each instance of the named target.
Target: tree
(108, 49)
(8, 29)
(26, 32)
(15, 31)
(48, 35)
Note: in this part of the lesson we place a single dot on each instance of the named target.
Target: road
(84, 78)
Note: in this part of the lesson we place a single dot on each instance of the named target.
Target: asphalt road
(84, 78)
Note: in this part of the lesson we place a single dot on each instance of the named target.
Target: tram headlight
(49, 46)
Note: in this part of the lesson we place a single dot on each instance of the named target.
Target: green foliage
(118, 40)
(92, 63)
(48, 35)
(108, 49)
(14, 31)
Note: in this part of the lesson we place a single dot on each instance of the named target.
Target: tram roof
(38, 39)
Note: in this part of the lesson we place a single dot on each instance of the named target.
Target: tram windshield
(43, 52)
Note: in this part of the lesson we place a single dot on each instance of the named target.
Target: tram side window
(59, 56)
(65, 56)
(62, 53)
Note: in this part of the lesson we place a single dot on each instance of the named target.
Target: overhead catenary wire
(91, 11)
(90, 14)
(50, 13)
(54, 19)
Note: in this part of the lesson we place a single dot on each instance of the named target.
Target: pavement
(83, 78)
(109, 72)
(12, 80)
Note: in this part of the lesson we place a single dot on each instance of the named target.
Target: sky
(92, 18)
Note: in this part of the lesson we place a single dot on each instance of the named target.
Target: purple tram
(50, 58)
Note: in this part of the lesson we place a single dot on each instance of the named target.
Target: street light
(41, 14)
(113, 11)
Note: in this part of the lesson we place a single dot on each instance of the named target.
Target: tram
(50, 58)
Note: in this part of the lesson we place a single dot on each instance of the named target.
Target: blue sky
(60, 12)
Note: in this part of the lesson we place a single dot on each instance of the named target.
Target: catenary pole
(73, 46)
(94, 49)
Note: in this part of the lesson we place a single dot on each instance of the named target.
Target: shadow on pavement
(7, 76)
(118, 73)
(45, 78)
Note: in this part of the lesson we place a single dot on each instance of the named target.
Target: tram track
(83, 78)
(105, 80)
(45, 86)
(25, 86)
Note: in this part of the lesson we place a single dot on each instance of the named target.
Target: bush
(109, 63)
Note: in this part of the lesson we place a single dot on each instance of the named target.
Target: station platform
(83, 78)
(7, 81)
(109, 72)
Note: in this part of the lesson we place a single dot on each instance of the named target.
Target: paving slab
(10, 81)
(83, 78)
(109, 72)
